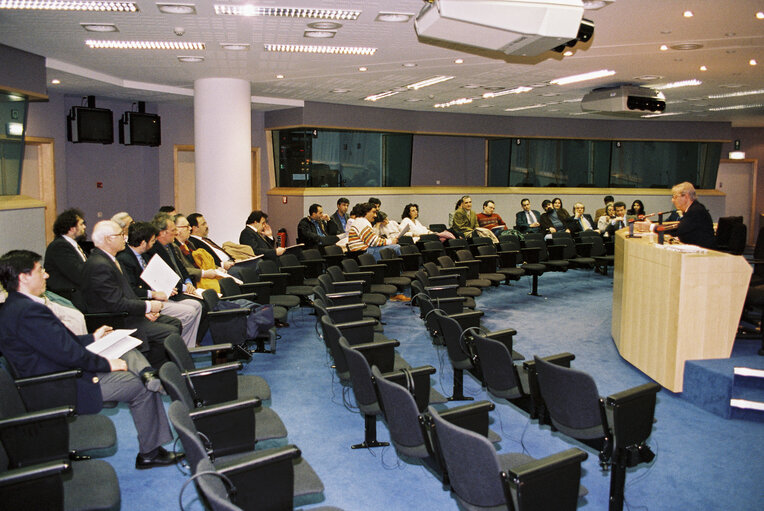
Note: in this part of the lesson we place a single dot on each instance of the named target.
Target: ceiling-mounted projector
(515, 27)
(625, 99)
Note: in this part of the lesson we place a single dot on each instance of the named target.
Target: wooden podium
(669, 306)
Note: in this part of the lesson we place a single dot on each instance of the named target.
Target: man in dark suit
(141, 238)
(581, 221)
(34, 342)
(527, 220)
(549, 221)
(200, 239)
(65, 259)
(106, 289)
(696, 226)
(338, 221)
(311, 230)
(619, 222)
(258, 235)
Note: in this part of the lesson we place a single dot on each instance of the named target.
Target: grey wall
(22, 229)
(447, 161)
(22, 71)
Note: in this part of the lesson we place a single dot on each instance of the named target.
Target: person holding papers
(140, 239)
(35, 342)
(258, 235)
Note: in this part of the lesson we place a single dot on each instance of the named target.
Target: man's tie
(174, 260)
(531, 218)
(213, 244)
(82, 252)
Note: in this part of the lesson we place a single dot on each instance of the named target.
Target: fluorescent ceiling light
(172, 8)
(381, 95)
(143, 45)
(287, 12)
(320, 34)
(235, 46)
(582, 77)
(394, 17)
(736, 94)
(516, 90)
(55, 81)
(650, 116)
(100, 27)
(735, 107)
(518, 108)
(331, 50)
(428, 82)
(454, 102)
(325, 25)
(675, 85)
(54, 5)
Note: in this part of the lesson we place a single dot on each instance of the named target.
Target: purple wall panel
(454, 161)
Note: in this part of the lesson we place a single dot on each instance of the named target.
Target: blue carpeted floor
(703, 462)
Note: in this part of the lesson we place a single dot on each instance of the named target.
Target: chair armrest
(444, 280)
(537, 406)
(630, 414)
(36, 437)
(556, 252)
(468, 319)
(260, 460)
(450, 305)
(201, 350)
(584, 249)
(227, 313)
(253, 297)
(346, 298)
(444, 291)
(346, 313)
(349, 285)
(529, 484)
(358, 332)
(215, 384)
(33, 487)
(473, 416)
(378, 271)
(509, 258)
(531, 254)
(295, 274)
(49, 390)
(230, 426)
(392, 266)
(358, 275)
(380, 354)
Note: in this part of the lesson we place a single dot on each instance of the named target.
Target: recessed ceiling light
(286, 12)
(538, 85)
(752, 62)
(100, 27)
(470, 86)
(686, 46)
(665, 32)
(663, 48)
(549, 94)
(760, 15)
(191, 59)
(173, 8)
(55, 81)
(458, 61)
(340, 91)
(235, 46)
(730, 34)
(363, 69)
(568, 53)
(582, 77)
(280, 77)
(409, 64)
(688, 14)
(493, 88)
(144, 45)
(703, 68)
(413, 100)
(484, 105)
(325, 25)
(394, 17)
(328, 50)
(53, 5)
(319, 34)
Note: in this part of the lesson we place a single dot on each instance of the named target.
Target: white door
(735, 179)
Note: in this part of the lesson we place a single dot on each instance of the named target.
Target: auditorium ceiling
(645, 42)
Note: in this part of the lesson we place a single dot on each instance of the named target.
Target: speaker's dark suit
(259, 243)
(574, 224)
(106, 289)
(521, 221)
(696, 227)
(64, 265)
(334, 225)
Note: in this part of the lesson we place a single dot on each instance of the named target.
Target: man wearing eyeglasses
(696, 226)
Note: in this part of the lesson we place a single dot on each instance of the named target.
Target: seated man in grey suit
(64, 258)
(35, 341)
(528, 219)
(337, 224)
(106, 289)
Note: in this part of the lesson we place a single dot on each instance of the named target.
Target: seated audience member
(528, 219)
(604, 220)
(413, 227)
(124, 220)
(337, 223)
(170, 210)
(696, 226)
(550, 220)
(362, 237)
(601, 211)
(258, 235)
(581, 221)
(637, 209)
(64, 258)
(200, 231)
(36, 342)
(186, 252)
(106, 289)
(490, 220)
(465, 220)
(377, 204)
(140, 240)
(619, 222)
(385, 227)
(311, 230)
(562, 213)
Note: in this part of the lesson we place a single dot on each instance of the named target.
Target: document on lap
(114, 344)
(159, 276)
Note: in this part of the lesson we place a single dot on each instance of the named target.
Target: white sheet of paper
(114, 344)
(224, 275)
(159, 276)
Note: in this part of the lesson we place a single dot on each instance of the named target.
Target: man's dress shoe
(157, 458)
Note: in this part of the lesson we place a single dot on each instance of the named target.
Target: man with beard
(64, 258)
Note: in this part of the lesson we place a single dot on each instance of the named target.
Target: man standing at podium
(696, 226)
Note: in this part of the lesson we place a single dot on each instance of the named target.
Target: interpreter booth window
(13, 111)
(601, 163)
(309, 157)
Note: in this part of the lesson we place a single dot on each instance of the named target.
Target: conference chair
(248, 385)
(412, 258)
(229, 325)
(510, 246)
(276, 478)
(258, 292)
(355, 281)
(725, 228)
(451, 306)
(241, 413)
(482, 271)
(482, 479)
(297, 284)
(314, 263)
(333, 299)
(359, 367)
(351, 315)
(268, 271)
(617, 426)
(373, 273)
(391, 270)
(430, 250)
(432, 275)
(598, 251)
(736, 241)
(82, 435)
(550, 255)
(492, 261)
(332, 254)
(576, 254)
(452, 245)
(467, 271)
